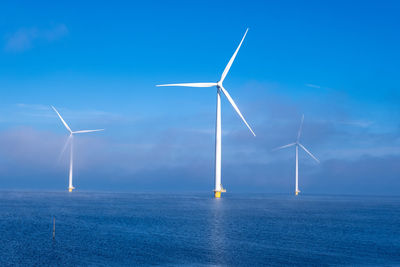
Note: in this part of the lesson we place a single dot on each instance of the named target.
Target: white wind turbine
(70, 139)
(218, 186)
(297, 144)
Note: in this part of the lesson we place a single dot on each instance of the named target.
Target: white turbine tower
(297, 144)
(70, 139)
(218, 186)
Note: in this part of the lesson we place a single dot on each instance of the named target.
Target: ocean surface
(121, 229)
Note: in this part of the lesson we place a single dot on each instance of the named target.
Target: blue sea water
(121, 229)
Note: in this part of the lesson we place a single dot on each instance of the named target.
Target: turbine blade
(282, 147)
(301, 126)
(309, 153)
(88, 131)
(226, 70)
(65, 124)
(189, 84)
(65, 147)
(236, 108)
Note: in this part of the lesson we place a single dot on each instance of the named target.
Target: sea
(141, 229)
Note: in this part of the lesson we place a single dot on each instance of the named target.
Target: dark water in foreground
(104, 229)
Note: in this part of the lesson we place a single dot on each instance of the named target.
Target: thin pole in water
(54, 227)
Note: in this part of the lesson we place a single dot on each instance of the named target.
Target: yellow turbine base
(217, 194)
(70, 189)
(297, 192)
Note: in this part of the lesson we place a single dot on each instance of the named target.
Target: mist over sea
(123, 229)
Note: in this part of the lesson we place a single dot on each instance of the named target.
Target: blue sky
(98, 63)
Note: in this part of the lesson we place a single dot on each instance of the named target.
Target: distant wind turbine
(218, 186)
(70, 140)
(297, 144)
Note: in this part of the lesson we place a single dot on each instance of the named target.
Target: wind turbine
(218, 186)
(297, 144)
(70, 139)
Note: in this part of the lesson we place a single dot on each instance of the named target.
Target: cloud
(25, 38)
(171, 161)
(312, 85)
(358, 123)
(37, 113)
(33, 106)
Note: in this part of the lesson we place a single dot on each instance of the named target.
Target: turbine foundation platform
(297, 193)
(70, 189)
(217, 193)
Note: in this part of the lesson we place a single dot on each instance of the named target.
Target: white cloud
(25, 38)
(312, 85)
(358, 123)
(33, 106)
